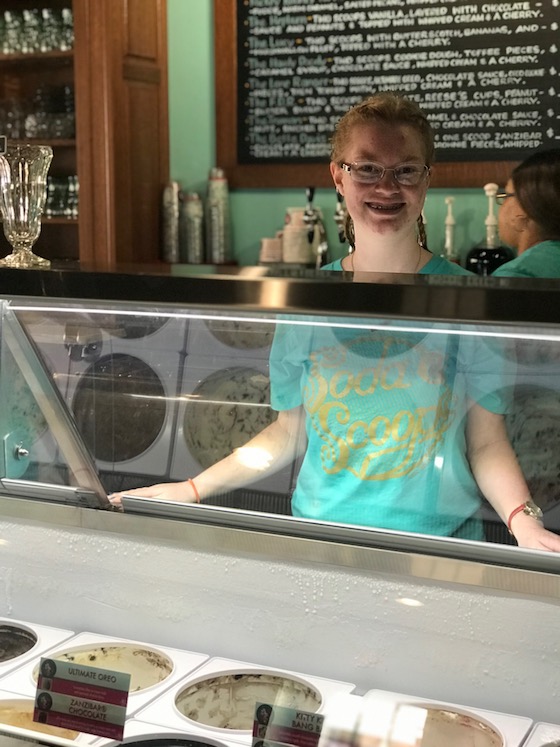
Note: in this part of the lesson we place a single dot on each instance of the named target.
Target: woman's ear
(527, 232)
(520, 221)
(336, 173)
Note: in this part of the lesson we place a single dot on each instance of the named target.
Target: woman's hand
(531, 534)
(178, 492)
(280, 442)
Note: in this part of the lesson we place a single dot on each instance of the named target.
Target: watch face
(531, 509)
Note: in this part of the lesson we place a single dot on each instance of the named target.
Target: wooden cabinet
(117, 69)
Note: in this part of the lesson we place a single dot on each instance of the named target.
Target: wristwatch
(529, 508)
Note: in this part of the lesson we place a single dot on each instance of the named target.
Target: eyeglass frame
(348, 168)
(501, 197)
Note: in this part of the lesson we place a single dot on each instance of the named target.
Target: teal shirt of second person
(539, 261)
(435, 266)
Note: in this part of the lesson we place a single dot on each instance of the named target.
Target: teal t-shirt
(540, 261)
(385, 417)
(385, 420)
(435, 266)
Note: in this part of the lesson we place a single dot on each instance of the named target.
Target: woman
(398, 430)
(529, 217)
(381, 157)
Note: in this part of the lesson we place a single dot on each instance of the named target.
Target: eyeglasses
(501, 197)
(406, 174)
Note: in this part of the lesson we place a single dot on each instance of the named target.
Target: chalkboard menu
(486, 73)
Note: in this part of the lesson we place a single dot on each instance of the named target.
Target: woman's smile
(385, 207)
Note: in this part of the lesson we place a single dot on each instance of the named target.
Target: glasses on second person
(367, 172)
(501, 197)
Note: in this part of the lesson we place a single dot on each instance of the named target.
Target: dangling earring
(349, 231)
(421, 237)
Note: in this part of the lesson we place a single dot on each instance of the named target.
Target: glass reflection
(423, 428)
(395, 426)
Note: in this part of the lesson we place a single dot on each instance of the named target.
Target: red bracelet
(514, 513)
(197, 494)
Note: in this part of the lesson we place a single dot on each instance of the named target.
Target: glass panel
(355, 420)
(41, 452)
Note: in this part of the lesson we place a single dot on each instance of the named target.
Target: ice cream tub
(220, 697)
(543, 735)
(143, 734)
(16, 720)
(152, 668)
(449, 723)
(21, 641)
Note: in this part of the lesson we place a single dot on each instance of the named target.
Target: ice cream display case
(113, 380)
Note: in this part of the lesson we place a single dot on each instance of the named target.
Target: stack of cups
(271, 249)
(170, 219)
(191, 229)
(296, 247)
(218, 242)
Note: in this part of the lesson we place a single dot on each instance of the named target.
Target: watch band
(529, 508)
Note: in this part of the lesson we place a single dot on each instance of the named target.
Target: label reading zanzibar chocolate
(82, 698)
(277, 724)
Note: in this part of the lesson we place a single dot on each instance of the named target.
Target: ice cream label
(83, 698)
(279, 725)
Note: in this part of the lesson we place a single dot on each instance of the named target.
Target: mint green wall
(259, 213)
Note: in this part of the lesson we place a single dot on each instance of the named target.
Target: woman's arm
(499, 477)
(270, 450)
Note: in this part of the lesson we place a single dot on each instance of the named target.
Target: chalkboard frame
(275, 175)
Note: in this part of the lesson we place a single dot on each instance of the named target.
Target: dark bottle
(487, 256)
(483, 259)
